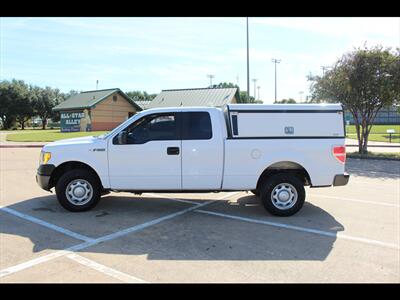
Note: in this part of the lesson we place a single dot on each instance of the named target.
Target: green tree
(364, 81)
(22, 103)
(15, 104)
(141, 96)
(7, 114)
(43, 102)
(286, 101)
(225, 85)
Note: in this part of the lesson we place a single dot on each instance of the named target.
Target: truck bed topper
(285, 121)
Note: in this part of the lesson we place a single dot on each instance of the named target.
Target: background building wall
(108, 114)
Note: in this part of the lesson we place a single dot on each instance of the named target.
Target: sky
(152, 54)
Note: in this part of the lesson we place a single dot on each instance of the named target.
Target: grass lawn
(377, 134)
(38, 135)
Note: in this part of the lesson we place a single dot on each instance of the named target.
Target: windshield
(105, 135)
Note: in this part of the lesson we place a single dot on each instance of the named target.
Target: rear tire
(283, 195)
(78, 190)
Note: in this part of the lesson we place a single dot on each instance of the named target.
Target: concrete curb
(367, 157)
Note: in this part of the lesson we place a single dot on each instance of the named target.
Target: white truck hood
(86, 140)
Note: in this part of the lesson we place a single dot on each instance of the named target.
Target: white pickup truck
(271, 150)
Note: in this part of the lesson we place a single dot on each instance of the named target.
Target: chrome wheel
(284, 196)
(79, 192)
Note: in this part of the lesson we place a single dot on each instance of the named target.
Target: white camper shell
(286, 121)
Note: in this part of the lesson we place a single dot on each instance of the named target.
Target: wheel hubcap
(79, 192)
(284, 196)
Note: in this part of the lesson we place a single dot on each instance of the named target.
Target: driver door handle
(173, 150)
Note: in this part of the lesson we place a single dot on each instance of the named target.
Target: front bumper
(43, 176)
(341, 179)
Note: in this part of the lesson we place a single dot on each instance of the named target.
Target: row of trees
(363, 81)
(19, 102)
(286, 101)
(141, 96)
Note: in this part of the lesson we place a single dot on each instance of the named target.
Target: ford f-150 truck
(271, 150)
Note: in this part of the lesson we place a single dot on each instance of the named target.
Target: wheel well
(285, 167)
(67, 166)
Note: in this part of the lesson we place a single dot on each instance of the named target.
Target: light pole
(323, 69)
(97, 84)
(211, 77)
(301, 93)
(248, 68)
(254, 80)
(258, 88)
(275, 61)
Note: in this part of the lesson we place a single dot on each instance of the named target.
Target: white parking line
(163, 196)
(355, 200)
(41, 259)
(46, 224)
(174, 199)
(104, 269)
(150, 223)
(304, 229)
(93, 242)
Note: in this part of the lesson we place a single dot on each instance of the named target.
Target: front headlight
(44, 157)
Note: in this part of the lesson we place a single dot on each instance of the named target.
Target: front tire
(256, 192)
(78, 190)
(283, 195)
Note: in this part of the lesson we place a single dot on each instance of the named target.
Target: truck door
(148, 157)
(202, 151)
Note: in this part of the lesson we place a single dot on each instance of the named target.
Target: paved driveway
(343, 234)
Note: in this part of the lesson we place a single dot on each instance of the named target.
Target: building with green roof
(214, 97)
(96, 110)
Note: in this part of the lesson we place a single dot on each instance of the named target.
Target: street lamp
(248, 68)
(211, 77)
(324, 68)
(254, 80)
(275, 61)
(258, 88)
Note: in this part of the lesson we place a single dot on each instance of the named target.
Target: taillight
(339, 152)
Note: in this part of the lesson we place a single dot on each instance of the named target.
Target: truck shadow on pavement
(191, 236)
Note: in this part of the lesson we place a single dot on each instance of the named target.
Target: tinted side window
(196, 126)
(152, 128)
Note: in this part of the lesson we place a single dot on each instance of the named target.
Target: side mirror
(122, 138)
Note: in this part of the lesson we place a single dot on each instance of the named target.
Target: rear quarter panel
(246, 159)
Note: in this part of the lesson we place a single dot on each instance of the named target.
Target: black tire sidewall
(269, 186)
(66, 178)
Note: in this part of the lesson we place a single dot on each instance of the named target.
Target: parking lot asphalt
(342, 234)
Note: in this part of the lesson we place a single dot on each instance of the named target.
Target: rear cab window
(196, 126)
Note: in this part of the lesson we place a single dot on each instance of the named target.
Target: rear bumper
(43, 176)
(341, 179)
